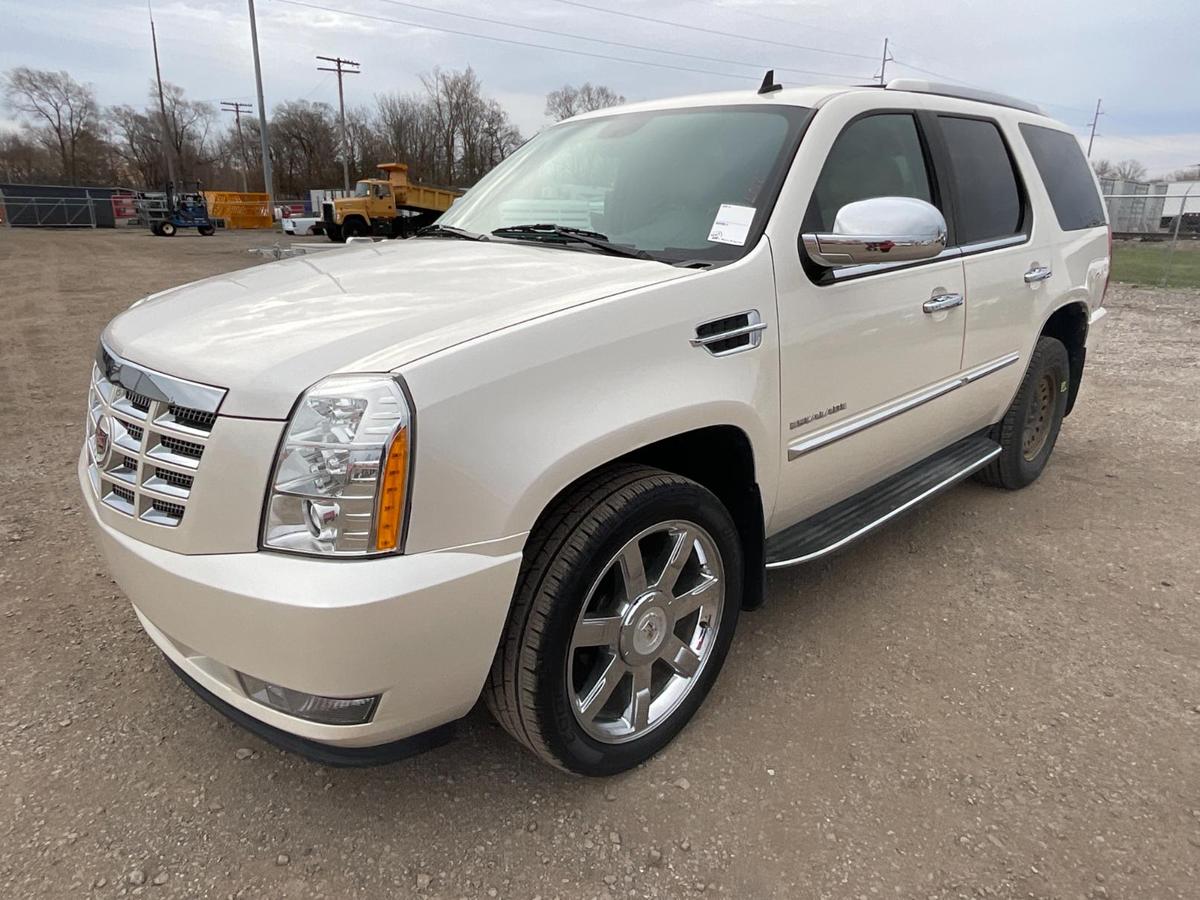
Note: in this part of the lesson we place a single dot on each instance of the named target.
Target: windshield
(683, 185)
(362, 189)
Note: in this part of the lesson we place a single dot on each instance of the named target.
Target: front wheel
(167, 229)
(1027, 432)
(623, 615)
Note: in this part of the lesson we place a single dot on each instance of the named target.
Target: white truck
(546, 451)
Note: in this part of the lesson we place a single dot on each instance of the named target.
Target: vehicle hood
(268, 332)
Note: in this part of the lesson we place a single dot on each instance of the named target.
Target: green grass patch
(1145, 264)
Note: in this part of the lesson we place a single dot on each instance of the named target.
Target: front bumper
(418, 630)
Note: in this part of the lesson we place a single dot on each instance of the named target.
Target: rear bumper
(419, 631)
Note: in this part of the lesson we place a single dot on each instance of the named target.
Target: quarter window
(988, 197)
(1066, 175)
(877, 156)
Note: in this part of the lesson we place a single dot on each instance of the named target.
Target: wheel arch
(721, 459)
(1069, 325)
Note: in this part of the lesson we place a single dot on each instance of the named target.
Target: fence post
(1175, 237)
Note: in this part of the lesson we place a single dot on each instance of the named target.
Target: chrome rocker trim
(811, 442)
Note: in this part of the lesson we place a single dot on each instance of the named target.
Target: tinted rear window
(989, 199)
(1067, 177)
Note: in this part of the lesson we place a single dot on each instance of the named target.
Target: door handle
(942, 302)
(1037, 273)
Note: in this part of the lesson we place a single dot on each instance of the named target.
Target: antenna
(768, 83)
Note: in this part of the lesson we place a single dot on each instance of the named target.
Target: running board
(854, 517)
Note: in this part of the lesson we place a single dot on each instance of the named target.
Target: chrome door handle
(942, 302)
(1037, 273)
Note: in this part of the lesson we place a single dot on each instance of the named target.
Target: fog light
(313, 707)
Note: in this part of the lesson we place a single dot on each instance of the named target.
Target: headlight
(340, 483)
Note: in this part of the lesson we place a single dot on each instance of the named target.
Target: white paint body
(530, 366)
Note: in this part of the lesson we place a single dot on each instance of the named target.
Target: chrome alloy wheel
(646, 631)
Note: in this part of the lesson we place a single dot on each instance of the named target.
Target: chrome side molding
(811, 442)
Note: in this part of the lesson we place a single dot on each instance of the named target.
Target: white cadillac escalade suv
(545, 451)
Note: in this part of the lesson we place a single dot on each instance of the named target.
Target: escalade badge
(817, 416)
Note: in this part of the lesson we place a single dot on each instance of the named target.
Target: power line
(723, 34)
(1092, 136)
(580, 37)
(237, 109)
(342, 67)
(887, 57)
(514, 42)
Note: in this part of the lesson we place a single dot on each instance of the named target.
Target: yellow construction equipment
(388, 207)
(240, 209)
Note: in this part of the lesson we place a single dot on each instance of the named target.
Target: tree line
(449, 132)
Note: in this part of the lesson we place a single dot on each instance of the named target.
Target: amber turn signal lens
(390, 512)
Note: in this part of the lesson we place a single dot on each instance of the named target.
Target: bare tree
(570, 101)
(1104, 168)
(62, 109)
(1191, 173)
(1130, 170)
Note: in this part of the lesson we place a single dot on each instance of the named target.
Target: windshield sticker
(732, 224)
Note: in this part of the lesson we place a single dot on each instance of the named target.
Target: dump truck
(388, 207)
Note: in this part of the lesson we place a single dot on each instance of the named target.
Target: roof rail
(919, 86)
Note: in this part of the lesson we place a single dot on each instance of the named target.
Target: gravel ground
(997, 697)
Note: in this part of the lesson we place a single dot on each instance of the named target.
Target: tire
(167, 229)
(207, 230)
(549, 660)
(1029, 429)
(156, 229)
(355, 228)
(334, 233)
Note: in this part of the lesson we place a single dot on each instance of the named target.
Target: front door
(864, 359)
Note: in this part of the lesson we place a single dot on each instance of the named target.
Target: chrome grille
(143, 452)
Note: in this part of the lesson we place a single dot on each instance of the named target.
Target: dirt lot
(998, 697)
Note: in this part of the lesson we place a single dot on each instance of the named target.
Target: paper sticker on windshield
(732, 224)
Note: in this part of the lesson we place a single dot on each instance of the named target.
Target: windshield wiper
(567, 233)
(450, 231)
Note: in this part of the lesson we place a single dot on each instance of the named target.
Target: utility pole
(339, 63)
(237, 109)
(1095, 119)
(262, 119)
(887, 57)
(167, 144)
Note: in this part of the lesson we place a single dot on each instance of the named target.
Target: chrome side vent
(731, 334)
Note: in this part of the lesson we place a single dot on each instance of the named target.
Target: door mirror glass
(880, 230)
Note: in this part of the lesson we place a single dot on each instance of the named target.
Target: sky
(1139, 58)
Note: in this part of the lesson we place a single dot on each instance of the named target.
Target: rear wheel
(622, 618)
(206, 230)
(1029, 429)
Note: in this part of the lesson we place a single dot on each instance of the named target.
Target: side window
(1066, 175)
(989, 199)
(876, 156)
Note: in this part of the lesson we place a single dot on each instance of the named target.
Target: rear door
(1014, 253)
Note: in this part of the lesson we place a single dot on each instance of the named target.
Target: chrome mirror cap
(880, 230)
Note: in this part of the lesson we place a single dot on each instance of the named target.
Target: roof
(815, 95)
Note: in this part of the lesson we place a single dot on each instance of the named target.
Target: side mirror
(879, 230)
